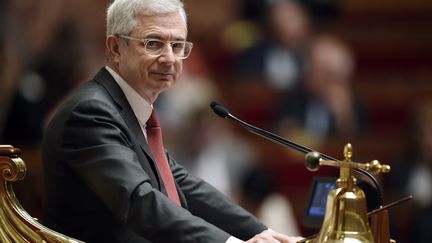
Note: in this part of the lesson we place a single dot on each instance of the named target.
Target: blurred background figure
(50, 51)
(9, 61)
(218, 156)
(208, 22)
(211, 152)
(325, 105)
(413, 176)
(277, 59)
(259, 196)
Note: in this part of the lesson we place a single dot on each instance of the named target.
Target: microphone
(219, 109)
(312, 156)
(224, 113)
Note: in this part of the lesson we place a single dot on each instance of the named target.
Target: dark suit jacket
(102, 184)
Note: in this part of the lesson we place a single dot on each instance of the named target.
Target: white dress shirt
(140, 106)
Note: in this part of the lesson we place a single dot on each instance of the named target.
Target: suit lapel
(107, 81)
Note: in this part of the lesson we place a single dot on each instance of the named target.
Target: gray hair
(121, 13)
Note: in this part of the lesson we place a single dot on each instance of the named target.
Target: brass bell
(345, 219)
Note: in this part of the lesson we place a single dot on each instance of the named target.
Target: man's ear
(113, 47)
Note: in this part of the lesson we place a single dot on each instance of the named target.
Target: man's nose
(167, 55)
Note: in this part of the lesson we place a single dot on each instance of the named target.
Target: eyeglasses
(155, 47)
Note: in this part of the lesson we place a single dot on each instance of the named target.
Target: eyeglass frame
(145, 41)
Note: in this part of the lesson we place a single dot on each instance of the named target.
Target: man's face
(150, 75)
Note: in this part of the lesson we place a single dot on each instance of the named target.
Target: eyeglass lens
(155, 47)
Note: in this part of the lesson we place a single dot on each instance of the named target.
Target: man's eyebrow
(159, 37)
(154, 36)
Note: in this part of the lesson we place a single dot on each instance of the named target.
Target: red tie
(154, 137)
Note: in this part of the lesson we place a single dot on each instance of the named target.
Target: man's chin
(164, 85)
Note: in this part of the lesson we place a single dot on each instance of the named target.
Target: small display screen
(315, 211)
(319, 199)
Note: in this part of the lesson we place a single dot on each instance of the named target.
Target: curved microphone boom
(224, 113)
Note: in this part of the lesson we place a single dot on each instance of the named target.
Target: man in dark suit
(103, 180)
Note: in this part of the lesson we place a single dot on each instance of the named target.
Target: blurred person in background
(10, 63)
(209, 22)
(319, 10)
(108, 177)
(412, 175)
(213, 153)
(53, 54)
(22, 43)
(279, 59)
(325, 105)
(259, 196)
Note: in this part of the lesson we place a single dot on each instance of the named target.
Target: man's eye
(154, 44)
(178, 45)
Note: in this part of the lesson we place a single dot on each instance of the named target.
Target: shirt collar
(140, 106)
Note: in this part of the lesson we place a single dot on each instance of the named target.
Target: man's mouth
(164, 75)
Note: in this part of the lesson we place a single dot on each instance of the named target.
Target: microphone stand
(379, 216)
(224, 113)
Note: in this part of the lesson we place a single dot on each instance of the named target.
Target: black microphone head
(214, 103)
(219, 109)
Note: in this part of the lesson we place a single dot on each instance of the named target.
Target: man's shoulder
(88, 91)
(101, 87)
(92, 93)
